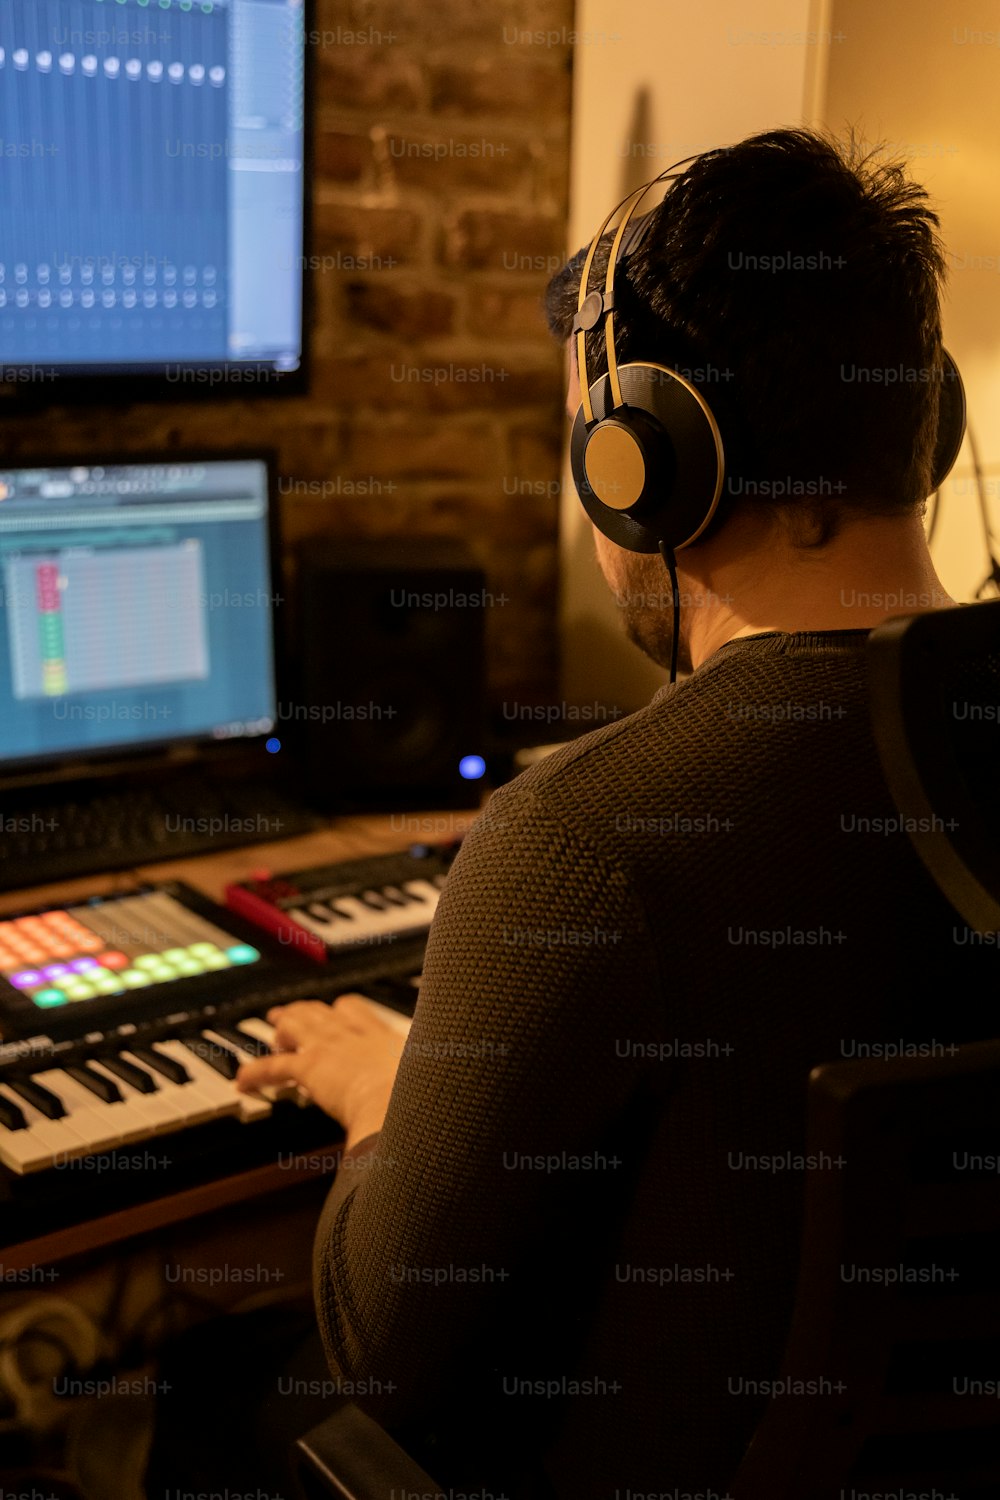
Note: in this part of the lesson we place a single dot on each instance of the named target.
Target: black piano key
(105, 1088)
(11, 1116)
(397, 897)
(243, 1040)
(136, 1078)
(217, 1057)
(167, 1067)
(375, 900)
(42, 1099)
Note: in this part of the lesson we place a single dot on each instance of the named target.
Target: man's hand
(344, 1055)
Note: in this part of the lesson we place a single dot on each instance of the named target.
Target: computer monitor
(137, 609)
(153, 192)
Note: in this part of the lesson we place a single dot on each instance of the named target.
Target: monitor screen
(137, 607)
(151, 212)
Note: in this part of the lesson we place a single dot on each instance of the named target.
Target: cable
(667, 553)
(993, 576)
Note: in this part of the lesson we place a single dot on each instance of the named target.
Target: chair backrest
(935, 704)
(891, 1379)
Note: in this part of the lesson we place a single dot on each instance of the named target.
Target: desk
(350, 838)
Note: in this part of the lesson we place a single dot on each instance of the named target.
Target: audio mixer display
(151, 217)
(112, 946)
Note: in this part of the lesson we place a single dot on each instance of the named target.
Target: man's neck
(752, 578)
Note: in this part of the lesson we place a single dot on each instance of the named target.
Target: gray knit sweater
(568, 1260)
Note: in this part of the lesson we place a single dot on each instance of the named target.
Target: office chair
(935, 696)
(908, 1370)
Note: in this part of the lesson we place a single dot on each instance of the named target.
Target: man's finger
(280, 1067)
(298, 1011)
(304, 1026)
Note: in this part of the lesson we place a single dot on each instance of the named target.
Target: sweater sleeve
(502, 1117)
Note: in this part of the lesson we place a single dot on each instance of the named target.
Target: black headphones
(646, 451)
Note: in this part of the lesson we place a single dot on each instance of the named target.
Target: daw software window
(137, 606)
(152, 157)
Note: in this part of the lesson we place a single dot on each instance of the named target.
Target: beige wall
(674, 81)
(916, 74)
(654, 82)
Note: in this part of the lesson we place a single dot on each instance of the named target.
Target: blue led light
(272, 746)
(472, 767)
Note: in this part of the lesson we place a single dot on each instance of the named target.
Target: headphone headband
(600, 305)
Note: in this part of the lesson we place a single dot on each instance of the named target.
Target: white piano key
(136, 1124)
(181, 1103)
(264, 1032)
(423, 890)
(23, 1152)
(219, 1093)
(249, 1107)
(259, 1028)
(329, 930)
(50, 1138)
(158, 1109)
(94, 1121)
(361, 923)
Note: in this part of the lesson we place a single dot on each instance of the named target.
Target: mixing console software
(153, 187)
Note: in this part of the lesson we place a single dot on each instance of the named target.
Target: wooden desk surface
(346, 838)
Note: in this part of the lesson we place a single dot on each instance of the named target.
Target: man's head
(795, 283)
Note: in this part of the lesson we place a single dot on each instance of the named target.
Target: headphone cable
(667, 553)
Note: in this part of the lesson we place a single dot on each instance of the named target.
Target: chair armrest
(350, 1456)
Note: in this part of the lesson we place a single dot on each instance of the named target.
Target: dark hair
(797, 278)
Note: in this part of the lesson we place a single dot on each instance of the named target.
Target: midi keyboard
(126, 1019)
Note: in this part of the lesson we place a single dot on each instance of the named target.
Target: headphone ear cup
(651, 470)
(951, 421)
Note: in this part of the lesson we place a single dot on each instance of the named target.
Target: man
(561, 1251)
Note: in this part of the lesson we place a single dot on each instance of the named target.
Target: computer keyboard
(76, 832)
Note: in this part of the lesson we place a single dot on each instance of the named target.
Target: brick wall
(440, 180)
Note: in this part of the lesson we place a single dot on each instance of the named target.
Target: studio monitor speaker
(388, 660)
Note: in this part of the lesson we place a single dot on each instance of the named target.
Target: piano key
(265, 1032)
(262, 1036)
(223, 1093)
(192, 1102)
(95, 1122)
(423, 891)
(237, 1037)
(206, 1083)
(99, 1083)
(47, 1103)
(259, 1028)
(134, 1075)
(162, 1064)
(42, 1142)
(323, 927)
(328, 911)
(364, 923)
(223, 1059)
(23, 1150)
(10, 1116)
(132, 1118)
